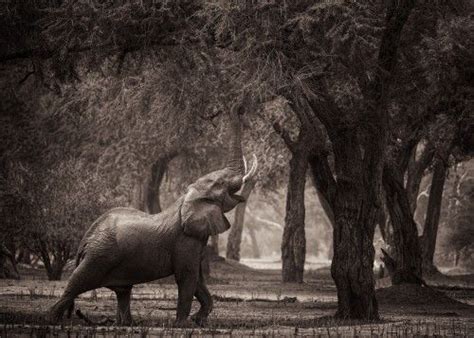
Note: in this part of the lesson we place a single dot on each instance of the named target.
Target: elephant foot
(199, 319)
(54, 318)
(102, 322)
(124, 322)
(184, 323)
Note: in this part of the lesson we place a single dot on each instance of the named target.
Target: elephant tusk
(252, 170)
(245, 165)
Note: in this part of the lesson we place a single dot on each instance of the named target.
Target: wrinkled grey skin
(125, 247)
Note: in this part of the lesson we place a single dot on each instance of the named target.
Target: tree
(421, 127)
(288, 58)
(61, 202)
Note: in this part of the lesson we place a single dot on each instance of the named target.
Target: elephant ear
(202, 218)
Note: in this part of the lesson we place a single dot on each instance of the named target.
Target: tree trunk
(24, 256)
(253, 238)
(56, 270)
(358, 175)
(415, 172)
(356, 209)
(293, 246)
(352, 264)
(318, 169)
(430, 231)
(406, 247)
(158, 171)
(214, 246)
(7, 258)
(235, 235)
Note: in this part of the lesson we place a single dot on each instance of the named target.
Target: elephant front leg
(186, 291)
(205, 299)
(124, 315)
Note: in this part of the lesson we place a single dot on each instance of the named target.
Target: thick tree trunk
(356, 208)
(352, 265)
(430, 231)
(235, 235)
(293, 246)
(406, 247)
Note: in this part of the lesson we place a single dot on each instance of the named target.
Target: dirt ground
(248, 302)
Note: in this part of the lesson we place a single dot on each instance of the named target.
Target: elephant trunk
(235, 158)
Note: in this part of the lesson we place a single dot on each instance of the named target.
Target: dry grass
(247, 302)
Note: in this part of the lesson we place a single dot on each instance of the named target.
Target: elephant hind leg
(124, 315)
(57, 310)
(84, 278)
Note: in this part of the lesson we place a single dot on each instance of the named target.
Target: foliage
(57, 205)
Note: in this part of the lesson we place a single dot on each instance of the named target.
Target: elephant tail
(81, 252)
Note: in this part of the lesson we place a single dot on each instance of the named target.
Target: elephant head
(207, 199)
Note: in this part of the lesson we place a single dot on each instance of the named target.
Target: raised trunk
(293, 245)
(137, 196)
(406, 247)
(235, 236)
(430, 231)
(158, 171)
(235, 156)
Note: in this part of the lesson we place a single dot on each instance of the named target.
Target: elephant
(125, 246)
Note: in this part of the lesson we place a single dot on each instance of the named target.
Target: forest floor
(247, 302)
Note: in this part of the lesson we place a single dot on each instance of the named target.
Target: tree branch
(285, 136)
(323, 180)
(106, 48)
